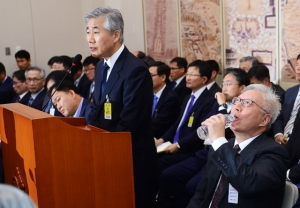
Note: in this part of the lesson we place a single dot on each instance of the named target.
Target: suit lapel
(162, 98)
(114, 75)
(37, 97)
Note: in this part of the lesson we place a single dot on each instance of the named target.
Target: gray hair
(42, 71)
(11, 197)
(113, 19)
(253, 60)
(270, 101)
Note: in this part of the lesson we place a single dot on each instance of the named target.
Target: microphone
(75, 61)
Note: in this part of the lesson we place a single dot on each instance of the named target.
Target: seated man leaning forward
(249, 170)
(68, 101)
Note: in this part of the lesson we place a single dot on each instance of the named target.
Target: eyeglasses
(87, 70)
(192, 75)
(15, 83)
(246, 102)
(153, 75)
(34, 80)
(173, 68)
(227, 84)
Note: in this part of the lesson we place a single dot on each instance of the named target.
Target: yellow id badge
(107, 111)
(191, 120)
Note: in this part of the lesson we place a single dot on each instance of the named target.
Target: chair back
(290, 195)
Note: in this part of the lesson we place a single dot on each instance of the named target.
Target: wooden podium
(64, 163)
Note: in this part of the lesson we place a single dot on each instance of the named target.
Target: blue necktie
(30, 101)
(174, 85)
(104, 75)
(155, 98)
(176, 137)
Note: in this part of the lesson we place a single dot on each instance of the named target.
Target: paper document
(163, 146)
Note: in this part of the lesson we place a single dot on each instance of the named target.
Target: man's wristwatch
(224, 105)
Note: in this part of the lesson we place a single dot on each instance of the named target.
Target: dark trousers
(181, 179)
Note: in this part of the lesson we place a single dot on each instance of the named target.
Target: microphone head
(77, 59)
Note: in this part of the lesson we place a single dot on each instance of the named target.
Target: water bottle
(202, 131)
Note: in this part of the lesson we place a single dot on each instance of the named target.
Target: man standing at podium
(123, 96)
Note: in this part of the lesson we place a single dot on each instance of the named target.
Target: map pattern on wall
(201, 30)
(250, 30)
(290, 39)
(161, 29)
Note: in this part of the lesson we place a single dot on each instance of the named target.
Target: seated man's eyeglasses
(246, 103)
(35, 80)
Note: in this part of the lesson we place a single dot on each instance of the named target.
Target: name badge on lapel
(191, 120)
(107, 109)
(233, 195)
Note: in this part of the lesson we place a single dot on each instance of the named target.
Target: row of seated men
(176, 119)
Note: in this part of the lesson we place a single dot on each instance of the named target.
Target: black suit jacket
(181, 90)
(130, 91)
(214, 89)
(293, 149)
(9, 82)
(6, 93)
(286, 110)
(84, 86)
(166, 112)
(188, 139)
(38, 101)
(24, 99)
(257, 173)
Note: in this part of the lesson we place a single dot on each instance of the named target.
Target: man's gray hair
(270, 100)
(42, 71)
(253, 60)
(113, 19)
(12, 197)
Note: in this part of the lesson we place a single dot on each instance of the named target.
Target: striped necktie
(290, 124)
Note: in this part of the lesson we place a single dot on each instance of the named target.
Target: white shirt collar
(78, 80)
(36, 94)
(22, 95)
(158, 94)
(208, 86)
(179, 80)
(198, 93)
(77, 113)
(112, 60)
(245, 143)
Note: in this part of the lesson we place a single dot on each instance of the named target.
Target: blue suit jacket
(166, 112)
(257, 173)
(9, 82)
(6, 93)
(86, 110)
(84, 86)
(38, 101)
(130, 91)
(188, 139)
(286, 110)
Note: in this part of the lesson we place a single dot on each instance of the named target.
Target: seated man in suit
(284, 124)
(212, 86)
(166, 106)
(35, 79)
(178, 67)
(20, 87)
(260, 75)
(69, 102)
(4, 78)
(23, 59)
(248, 171)
(80, 80)
(89, 65)
(178, 183)
(194, 110)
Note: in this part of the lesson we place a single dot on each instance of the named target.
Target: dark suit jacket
(6, 93)
(286, 110)
(24, 99)
(38, 101)
(188, 139)
(278, 91)
(257, 173)
(84, 86)
(214, 89)
(166, 112)
(181, 90)
(86, 110)
(130, 91)
(293, 149)
(9, 82)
